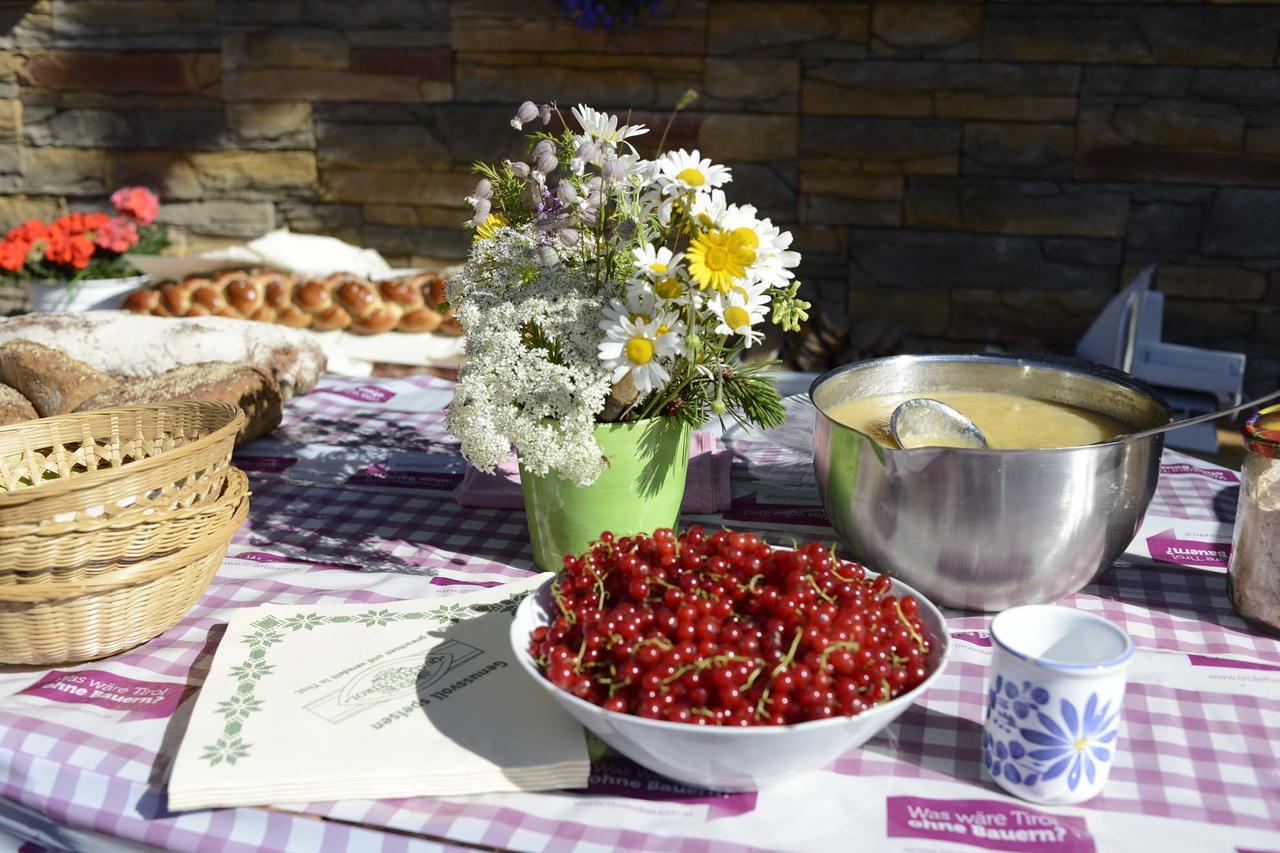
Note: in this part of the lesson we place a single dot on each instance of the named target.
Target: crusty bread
(341, 301)
(129, 346)
(251, 389)
(15, 408)
(53, 381)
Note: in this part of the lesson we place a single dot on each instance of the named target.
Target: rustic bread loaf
(341, 301)
(130, 346)
(251, 389)
(53, 381)
(15, 408)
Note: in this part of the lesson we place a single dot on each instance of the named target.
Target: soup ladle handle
(1199, 419)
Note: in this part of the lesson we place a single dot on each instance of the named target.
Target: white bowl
(727, 758)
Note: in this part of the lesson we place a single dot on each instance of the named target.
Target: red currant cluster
(723, 629)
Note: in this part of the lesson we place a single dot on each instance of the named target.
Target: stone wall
(979, 172)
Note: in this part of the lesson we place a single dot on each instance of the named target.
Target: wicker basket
(112, 463)
(51, 623)
(70, 551)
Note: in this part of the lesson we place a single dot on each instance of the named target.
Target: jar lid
(1262, 432)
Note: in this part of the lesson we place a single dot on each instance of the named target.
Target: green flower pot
(639, 492)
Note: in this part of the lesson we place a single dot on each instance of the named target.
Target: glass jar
(1253, 580)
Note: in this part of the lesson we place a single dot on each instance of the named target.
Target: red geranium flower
(73, 250)
(71, 223)
(13, 254)
(117, 234)
(138, 202)
(29, 231)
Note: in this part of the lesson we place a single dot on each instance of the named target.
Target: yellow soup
(1009, 421)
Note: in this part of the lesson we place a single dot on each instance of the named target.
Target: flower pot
(94, 293)
(638, 492)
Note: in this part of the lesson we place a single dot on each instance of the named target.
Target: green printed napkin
(412, 698)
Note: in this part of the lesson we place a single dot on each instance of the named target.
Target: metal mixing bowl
(988, 529)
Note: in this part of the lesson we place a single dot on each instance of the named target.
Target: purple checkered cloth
(353, 501)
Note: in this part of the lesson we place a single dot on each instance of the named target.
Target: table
(353, 502)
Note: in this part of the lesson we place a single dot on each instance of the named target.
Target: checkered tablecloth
(353, 502)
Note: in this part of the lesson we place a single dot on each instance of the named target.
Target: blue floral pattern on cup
(1038, 747)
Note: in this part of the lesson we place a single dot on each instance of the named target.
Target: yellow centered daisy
(485, 230)
(639, 350)
(691, 176)
(735, 317)
(637, 317)
(747, 237)
(658, 268)
(718, 259)
(669, 288)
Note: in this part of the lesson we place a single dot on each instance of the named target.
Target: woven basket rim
(134, 574)
(62, 485)
(236, 483)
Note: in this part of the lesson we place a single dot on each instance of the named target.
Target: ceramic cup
(1053, 702)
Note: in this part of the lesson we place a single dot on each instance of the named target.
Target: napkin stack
(373, 701)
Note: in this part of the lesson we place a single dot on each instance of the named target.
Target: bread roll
(142, 301)
(277, 290)
(239, 384)
(176, 298)
(358, 298)
(207, 294)
(420, 320)
(405, 292)
(15, 408)
(385, 317)
(313, 297)
(265, 314)
(331, 318)
(295, 317)
(53, 381)
(243, 295)
(341, 301)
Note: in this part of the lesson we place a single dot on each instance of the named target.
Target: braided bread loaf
(341, 301)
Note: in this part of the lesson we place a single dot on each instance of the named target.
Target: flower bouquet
(84, 251)
(607, 300)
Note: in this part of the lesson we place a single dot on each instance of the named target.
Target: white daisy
(709, 209)
(681, 171)
(603, 127)
(637, 171)
(657, 263)
(739, 311)
(637, 348)
(642, 306)
(774, 261)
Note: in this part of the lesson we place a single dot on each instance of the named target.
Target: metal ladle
(923, 422)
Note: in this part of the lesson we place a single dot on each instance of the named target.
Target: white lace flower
(739, 312)
(603, 127)
(680, 171)
(657, 262)
(637, 348)
(511, 393)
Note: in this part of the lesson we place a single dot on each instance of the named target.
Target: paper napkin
(370, 701)
(707, 488)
